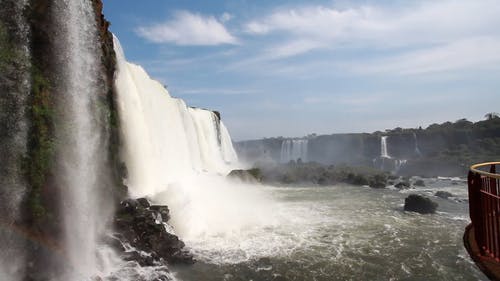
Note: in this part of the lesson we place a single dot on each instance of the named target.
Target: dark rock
(420, 204)
(377, 185)
(419, 183)
(128, 205)
(357, 179)
(443, 194)
(392, 177)
(162, 210)
(403, 185)
(144, 202)
(144, 227)
(251, 175)
(378, 181)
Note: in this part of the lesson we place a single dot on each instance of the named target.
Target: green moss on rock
(37, 163)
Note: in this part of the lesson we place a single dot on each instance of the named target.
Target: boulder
(144, 227)
(403, 185)
(357, 179)
(420, 204)
(443, 194)
(419, 183)
(251, 175)
(378, 181)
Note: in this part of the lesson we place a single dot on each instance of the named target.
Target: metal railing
(484, 207)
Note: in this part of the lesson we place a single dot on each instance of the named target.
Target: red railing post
(484, 208)
(495, 213)
(474, 184)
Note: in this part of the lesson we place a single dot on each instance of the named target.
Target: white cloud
(291, 48)
(467, 54)
(424, 22)
(216, 92)
(187, 28)
(427, 21)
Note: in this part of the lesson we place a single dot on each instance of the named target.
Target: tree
(491, 116)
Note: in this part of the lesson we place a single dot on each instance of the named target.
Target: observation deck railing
(484, 208)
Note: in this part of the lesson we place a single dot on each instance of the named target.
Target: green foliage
(357, 179)
(316, 173)
(9, 54)
(256, 173)
(491, 115)
(37, 163)
(5, 48)
(378, 181)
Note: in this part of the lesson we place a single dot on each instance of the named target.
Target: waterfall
(383, 147)
(294, 149)
(14, 89)
(417, 149)
(173, 157)
(81, 170)
(165, 141)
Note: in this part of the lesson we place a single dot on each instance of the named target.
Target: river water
(341, 233)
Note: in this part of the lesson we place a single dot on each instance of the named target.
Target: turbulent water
(341, 233)
(178, 156)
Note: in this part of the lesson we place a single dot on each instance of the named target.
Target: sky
(292, 68)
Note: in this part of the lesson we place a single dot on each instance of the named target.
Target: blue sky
(291, 68)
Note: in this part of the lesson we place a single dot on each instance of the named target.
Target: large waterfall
(294, 149)
(82, 173)
(179, 156)
(165, 141)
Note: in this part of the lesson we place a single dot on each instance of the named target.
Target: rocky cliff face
(446, 149)
(29, 111)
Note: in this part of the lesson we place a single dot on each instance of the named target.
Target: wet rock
(378, 181)
(443, 194)
(144, 228)
(420, 204)
(251, 175)
(144, 202)
(419, 183)
(357, 179)
(403, 185)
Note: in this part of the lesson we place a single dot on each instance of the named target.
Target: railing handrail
(484, 208)
(474, 168)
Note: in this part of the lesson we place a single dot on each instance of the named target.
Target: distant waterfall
(81, 169)
(417, 149)
(383, 147)
(294, 149)
(14, 91)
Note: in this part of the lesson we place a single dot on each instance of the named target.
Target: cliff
(30, 68)
(446, 149)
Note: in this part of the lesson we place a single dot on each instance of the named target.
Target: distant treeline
(446, 149)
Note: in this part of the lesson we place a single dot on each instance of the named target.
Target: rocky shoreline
(142, 234)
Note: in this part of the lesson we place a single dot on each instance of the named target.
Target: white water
(173, 156)
(343, 233)
(82, 148)
(294, 149)
(383, 147)
(417, 149)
